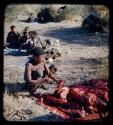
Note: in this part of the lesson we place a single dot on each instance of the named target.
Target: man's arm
(7, 38)
(49, 73)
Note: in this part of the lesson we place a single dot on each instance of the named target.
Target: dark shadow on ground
(35, 20)
(13, 88)
(22, 21)
(12, 52)
(74, 35)
(55, 118)
(48, 118)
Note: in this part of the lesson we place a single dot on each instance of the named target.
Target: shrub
(66, 14)
(103, 12)
(46, 15)
(49, 14)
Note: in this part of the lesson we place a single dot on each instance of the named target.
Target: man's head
(53, 69)
(38, 54)
(32, 34)
(26, 28)
(12, 27)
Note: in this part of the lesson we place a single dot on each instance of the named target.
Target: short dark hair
(26, 27)
(37, 51)
(53, 66)
(12, 27)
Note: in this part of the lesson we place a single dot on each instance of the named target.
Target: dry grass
(69, 13)
(17, 103)
(103, 68)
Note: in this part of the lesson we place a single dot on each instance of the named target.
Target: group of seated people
(28, 40)
(24, 40)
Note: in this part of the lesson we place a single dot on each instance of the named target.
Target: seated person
(24, 36)
(32, 42)
(13, 38)
(30, 18)
(34, 71)
(53, 70)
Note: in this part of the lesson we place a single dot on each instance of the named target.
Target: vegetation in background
(103, 12)
(47, 15)
(57, 13)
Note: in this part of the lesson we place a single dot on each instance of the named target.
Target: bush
(50, 14)
(46, 15)
(105, 21)
(103, 12)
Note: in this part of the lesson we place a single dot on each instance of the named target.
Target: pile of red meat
(81, 100)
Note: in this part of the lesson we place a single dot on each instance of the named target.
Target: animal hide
(81, 100)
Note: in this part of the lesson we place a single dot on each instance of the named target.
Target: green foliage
(105, 20)
(103, 12)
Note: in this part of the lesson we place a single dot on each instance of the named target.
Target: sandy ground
(82, 59)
